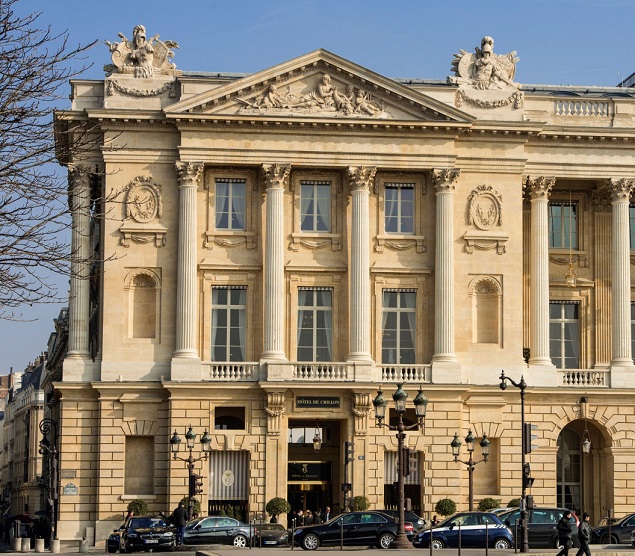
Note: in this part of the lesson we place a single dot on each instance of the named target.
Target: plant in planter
(138, 507)
(488, 504)
(277, 506)
(445, 507)
(360, 503)
(514, 503)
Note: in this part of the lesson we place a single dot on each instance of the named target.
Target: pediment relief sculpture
(486, 79)
(140, 57)
(143, 206)
(324, 97)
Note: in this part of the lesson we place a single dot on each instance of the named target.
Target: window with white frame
(563, 225)
(315, 206)
(399, 207)
(229, 323)
(230, 203)
(399, 322)
(564, 334)
(315, 324)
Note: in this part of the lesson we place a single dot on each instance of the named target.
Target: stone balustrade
(585, 378)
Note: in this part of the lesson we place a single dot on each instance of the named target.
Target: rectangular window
(139, 466)
(564, 334)
(563, 225)
(398, 327)
(315, 206)
(230, 203)
(229, 326)
(399, 208)
(315, 324)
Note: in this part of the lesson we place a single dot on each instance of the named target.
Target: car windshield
(146, 522)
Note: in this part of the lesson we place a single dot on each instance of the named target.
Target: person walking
(179, 519)
(584, 535)
(327, 514)
(565, 535)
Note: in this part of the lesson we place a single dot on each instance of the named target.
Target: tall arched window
(569, 470)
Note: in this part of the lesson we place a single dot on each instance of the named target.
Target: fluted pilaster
(360, 181)
(186, 290)
(621, 273)
(539, 189)
(277, 178)
(445, 183)
(79, 303)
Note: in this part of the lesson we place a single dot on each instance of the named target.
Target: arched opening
(584, 480)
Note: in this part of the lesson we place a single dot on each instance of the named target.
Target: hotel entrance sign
(317, 401)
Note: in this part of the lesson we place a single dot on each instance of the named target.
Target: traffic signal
(349, 451)
(196, 485)
(528, 480)
(528, 437)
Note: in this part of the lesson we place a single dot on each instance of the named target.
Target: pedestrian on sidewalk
(179, 518)
(584, 535)
(565, 535)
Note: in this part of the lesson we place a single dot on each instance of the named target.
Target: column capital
(621, 188)
(276, 175)
(539, 187)
(444, 179)
(189, 172)
(360, 178)
(76, 171)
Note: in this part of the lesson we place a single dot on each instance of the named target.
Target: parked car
(217, 530)
(144, 532)
(473, 527)
(271, 534)
(359, 529)
(620, 531)
(542, 530)
(417, 522)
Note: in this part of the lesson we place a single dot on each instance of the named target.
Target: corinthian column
(360, 180)
(539, 189)
(621, 274)
(276, 178)
(186, 290)
(79, 303)
(444, 183)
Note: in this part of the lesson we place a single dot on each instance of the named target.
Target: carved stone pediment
(320, 85)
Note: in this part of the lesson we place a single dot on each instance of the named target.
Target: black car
(620, 531)
(417, 522)
(270, 534)
(358, 529)
(217, 530)
(470, 530)
(542, 530)
(145, 532)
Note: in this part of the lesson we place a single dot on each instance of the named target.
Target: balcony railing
(585, 378)
(579, 107)
(406, 373)
(321, 371)
(246, 372)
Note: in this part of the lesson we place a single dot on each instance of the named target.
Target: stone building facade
(273, 248)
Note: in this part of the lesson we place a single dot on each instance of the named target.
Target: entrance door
(308, 496)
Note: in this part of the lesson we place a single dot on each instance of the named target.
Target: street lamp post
(190, 438)
(420, 403)
(522, 385)
(48, 448)
(471, 464)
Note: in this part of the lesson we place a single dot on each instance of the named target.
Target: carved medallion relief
(143, 207)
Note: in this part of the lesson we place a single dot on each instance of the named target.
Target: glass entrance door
(308, 496)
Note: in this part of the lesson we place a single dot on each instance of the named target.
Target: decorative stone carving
(140, 57)
(486, 80)
(276, 175)
(621, 189)
(275, 410)
(361, 177)
(189, 172)
(143, 208)
(539, 187)
(445, 178)
(361, 409)
(485, 208)
(601, 199)
(323, 98)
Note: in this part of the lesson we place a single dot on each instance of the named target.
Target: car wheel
(310, 542)
(240, 541)
(438, 543)
(502, 544)
(385, 540)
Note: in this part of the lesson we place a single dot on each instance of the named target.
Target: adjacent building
(269, 250)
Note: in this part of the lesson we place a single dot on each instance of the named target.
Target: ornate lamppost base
(401, 542)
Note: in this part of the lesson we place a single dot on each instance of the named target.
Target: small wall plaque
(67, 473)
(71, 489)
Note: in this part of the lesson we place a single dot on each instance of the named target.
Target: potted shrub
(196, 505)
(514, 503)
(445, 507)
(488, 504)
(359, 503)
(138, 507)
(277, 506)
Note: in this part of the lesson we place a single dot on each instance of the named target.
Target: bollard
(39, 545)
(83, 545)
(25, 545)
(16, 544)
(55, 546)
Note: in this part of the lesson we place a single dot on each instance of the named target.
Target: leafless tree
(35, 66)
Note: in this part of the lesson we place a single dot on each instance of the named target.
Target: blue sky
(571, 42)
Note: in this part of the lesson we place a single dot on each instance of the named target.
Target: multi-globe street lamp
(471, 463)
(526, 479)
(194, 480)
(420, 402)
(48, 448)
